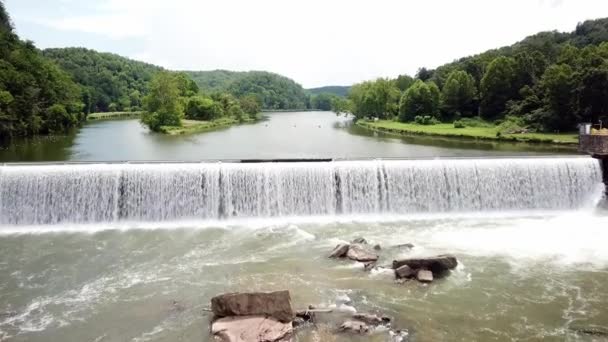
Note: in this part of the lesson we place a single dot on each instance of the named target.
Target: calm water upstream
(282, 135)
(134, 252)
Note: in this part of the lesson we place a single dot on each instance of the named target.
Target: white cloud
(323, 42)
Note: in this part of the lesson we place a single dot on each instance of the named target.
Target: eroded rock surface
(251, 329)
(273, 304)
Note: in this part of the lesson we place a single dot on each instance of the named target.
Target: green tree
(58, 118)
(458, 95)
(163, 105)
(421, 99)
(322, 101)
(187, 87)
(340, 105)
(36, 96)
(250, 105)
(379, 98)
(497, 87)
(237, 112)
(557, 86)
(203, 108)
(404, 82)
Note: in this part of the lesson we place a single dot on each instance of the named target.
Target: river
(134, 251)
(280, 135)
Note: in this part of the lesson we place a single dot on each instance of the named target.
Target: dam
(105, 193)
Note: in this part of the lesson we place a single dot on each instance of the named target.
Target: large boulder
(404, 272)
(274, 304)
(360, 253)
(437, 264)
(424, 276)
(251, 329)
(340, 251)
(360, 241)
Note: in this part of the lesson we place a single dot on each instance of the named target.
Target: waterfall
(93, 193)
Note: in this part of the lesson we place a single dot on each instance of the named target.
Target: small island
(175, 106)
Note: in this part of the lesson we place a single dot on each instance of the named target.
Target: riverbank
(479, 133)
(199, 126)
(112, 115)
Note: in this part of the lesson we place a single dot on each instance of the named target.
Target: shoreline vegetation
(112, 115)
(200, 126)
(531, 91)
(488, 133)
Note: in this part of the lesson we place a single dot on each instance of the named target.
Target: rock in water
(340, 251)
(274, 304)
(377, 247)
(359, 253)
(251, 329)
(354, 327)
(404, 272)
(360, 241)
(424, 276)
(371, 319)
(437, 264)
(404, 246)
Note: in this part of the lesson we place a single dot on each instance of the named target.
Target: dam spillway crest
(102, 193)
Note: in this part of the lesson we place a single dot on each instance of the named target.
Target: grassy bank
(198, 126)
(111, 115)
(483, 133)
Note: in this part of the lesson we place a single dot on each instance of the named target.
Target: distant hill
(274, 91)
(214, 80)
(111, 82)
(334, 90)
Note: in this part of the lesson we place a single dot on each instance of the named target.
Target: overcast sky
(315, 42)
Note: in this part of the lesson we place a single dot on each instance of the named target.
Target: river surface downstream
(135, 251)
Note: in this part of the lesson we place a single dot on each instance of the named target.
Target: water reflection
(280, 135)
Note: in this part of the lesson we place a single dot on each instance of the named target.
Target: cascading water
(93, 193)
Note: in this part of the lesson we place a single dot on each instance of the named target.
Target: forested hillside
(333, 90)
(110, 82)
(272, 90)
(36, 96)
(549, 81)
(214, 80)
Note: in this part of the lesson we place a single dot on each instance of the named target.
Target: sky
(314, 42)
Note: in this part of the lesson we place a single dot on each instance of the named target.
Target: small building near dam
(595, 142)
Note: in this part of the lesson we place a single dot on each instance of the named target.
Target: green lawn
(111, 115)
(198, 126)
(486, 133)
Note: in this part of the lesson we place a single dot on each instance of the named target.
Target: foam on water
(97, 193)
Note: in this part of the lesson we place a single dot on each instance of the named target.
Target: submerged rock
(377, 247)
(370, 265)
(371, 319)
(404, 246)
(251, 329)
(356, 327)
(340, 251)
(424, 276)
(359, 253)
(404, 272)
(437, 264)
(360, 241)
(274, 304)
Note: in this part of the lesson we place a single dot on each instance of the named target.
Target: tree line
(550, 81)
(174, 96)
(36, 96)
(109, 82)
